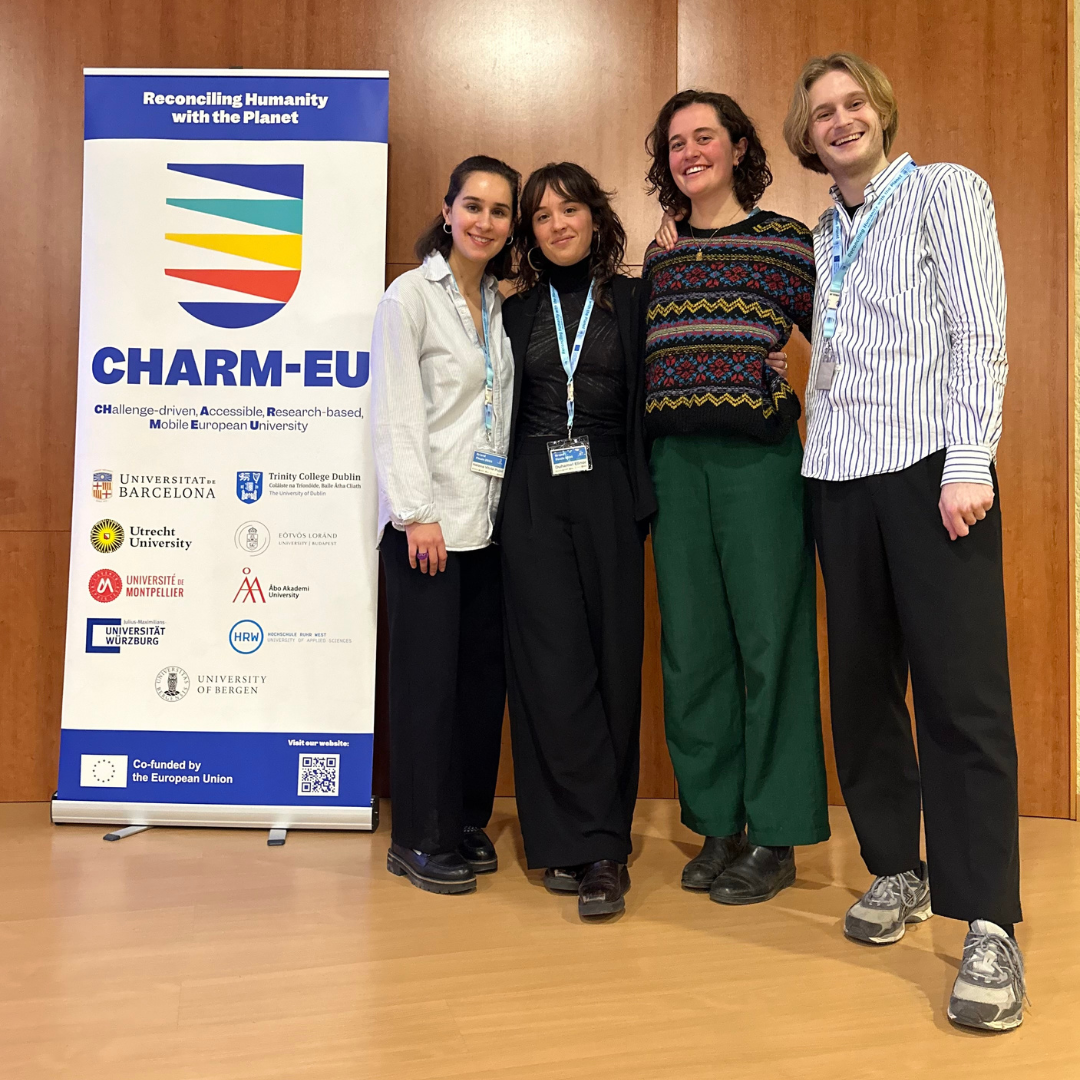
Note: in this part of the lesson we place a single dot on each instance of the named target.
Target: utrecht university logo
(106, 536)
(271, 234)
(102, 484)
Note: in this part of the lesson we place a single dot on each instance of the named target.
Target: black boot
(478, 850)
(446, 873)
(758, 874)
(717, 854)
(602, 888)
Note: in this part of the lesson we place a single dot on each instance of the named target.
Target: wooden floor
(199, 955)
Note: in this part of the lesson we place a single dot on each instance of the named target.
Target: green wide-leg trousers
(735, 575)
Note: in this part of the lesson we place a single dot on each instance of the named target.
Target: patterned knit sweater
(717, 307)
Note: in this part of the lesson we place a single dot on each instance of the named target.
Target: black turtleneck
(600, 381)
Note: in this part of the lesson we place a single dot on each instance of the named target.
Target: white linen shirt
(427, 403)
(920, 337)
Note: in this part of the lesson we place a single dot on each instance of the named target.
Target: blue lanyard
(489, 371)
(842, 260)
(570, 358)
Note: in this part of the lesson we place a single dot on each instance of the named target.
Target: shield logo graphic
(266, 231)
(102, 485)
(249, 486)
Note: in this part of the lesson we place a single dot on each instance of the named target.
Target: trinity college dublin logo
(270, 232)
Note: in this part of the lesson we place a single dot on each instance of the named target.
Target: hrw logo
(246, 636)
(271, 233)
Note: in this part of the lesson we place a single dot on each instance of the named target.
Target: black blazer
(628, 296)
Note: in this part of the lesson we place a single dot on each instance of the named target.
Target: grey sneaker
(892, 902)
(989, 991)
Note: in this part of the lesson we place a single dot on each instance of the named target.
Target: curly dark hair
(436, 238)
(752, 175)
(578, 185)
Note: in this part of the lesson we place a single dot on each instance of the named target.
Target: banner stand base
(130, 830)
(277, 838)
(209, 815)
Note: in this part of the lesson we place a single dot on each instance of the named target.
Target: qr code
(318, 774)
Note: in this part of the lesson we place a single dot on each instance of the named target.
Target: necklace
(710, 234)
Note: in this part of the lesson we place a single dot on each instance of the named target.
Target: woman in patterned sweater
(734, 559)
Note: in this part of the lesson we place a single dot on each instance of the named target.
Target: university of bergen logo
(172, 683)
(272, 234)
(105, 586)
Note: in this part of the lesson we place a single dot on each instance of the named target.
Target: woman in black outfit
(572, 525)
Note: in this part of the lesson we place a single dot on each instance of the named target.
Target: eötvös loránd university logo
(252, 538)
(267, 229)
(106, 536)
(172, 683)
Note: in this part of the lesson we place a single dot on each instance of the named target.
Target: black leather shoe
(564, 879)
(758, 874)
(602, 888)
(478, 851)
(447, 873)
(717, 854)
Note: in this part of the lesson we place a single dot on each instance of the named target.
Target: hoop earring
(509, 240)
(528, 259)
(446, 227)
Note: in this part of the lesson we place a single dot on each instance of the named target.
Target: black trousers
(573, 572)
(901, 595)
(447, 693)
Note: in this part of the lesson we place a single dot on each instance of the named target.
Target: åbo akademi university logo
(271, 235)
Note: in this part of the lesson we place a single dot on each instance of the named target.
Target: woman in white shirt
(442, 381)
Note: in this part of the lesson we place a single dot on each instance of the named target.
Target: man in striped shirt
(903, 421)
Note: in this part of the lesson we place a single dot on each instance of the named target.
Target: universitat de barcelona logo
(102, 484)
(267, 229)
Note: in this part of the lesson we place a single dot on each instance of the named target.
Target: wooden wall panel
(983, 84)
(574, 79)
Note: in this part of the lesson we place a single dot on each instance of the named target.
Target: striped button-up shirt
(920, 337)
(427, 404)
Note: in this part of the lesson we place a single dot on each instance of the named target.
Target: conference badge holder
(487, 463)
(569, 456)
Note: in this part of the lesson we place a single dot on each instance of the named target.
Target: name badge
(825, 372)
(487, 463)
(569, 456)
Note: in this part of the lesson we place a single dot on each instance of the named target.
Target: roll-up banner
(220, 661)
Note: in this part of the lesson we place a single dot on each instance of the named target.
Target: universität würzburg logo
(267, 230)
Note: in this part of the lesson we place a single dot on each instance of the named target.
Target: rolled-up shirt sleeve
(962, 234)
(399, 420)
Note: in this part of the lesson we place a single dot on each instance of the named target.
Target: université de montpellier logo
(272, 236)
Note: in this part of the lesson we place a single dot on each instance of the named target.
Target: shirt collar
(877, 183)
(436, 268)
